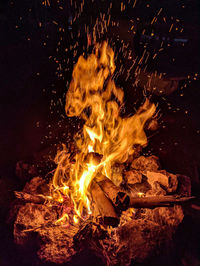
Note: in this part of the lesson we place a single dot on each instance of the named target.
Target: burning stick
(37, 199)
(104, 205)
(157, 201)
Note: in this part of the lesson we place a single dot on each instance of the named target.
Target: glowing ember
(94, 97)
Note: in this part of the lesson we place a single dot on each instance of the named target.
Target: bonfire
(103, 196)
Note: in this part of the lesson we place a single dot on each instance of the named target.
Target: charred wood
(118, 197)
(37, 199)
(104, 205)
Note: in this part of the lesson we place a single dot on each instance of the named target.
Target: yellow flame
(75, 218)
(131, 211)
(94, 96)
(63, 219)
(141, 194)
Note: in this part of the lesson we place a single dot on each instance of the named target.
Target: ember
(124, 214)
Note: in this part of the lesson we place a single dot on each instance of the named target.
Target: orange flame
(94, 96)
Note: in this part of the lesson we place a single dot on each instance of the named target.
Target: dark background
(33, 88)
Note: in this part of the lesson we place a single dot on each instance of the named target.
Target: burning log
(104, 205)
(118, 197)
(37, 199)
(157, 201)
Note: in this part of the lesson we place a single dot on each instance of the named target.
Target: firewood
(104, 205)
(118, 197)
(157, 201)
(37, 199)
(122, 201)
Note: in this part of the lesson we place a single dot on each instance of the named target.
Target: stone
(156, 190)
(157, 177)
(57, 244)
(55, 241)
(168, 181)
(132, 177)
(31, 216)
(142, 163)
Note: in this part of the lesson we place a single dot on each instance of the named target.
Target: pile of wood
(110, 200)
(139, 225)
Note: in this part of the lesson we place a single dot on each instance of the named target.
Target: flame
(63, 219)
(94, 97)
(141, 194)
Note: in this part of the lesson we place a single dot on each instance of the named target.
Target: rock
(168, 181)
(149, 167)
(165, 216)
(156, 190)
(134, 242)
(136, 188)
(173, 182)
(36, 185)
(132, 177)
(57, 244)
(31, 216)
(160, 181)
(142, 163)
(157, 177)
(36, 221)
(171, 216)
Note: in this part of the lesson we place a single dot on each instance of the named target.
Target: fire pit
(104, 195)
